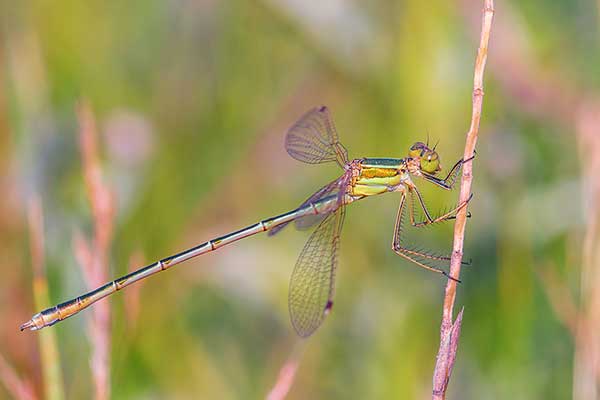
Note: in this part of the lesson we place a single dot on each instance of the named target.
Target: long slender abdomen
(69, 308)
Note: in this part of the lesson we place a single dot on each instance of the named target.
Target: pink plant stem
(586, 368)
(93, 256)
(287, 374)
(17, 387)
(284, 381)
(449, 330)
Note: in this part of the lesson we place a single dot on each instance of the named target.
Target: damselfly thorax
(373, 176)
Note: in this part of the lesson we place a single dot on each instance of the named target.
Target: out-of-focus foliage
(192, 100)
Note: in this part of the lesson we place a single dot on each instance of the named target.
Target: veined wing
(314, 140)
(337, 187)
(313, 280)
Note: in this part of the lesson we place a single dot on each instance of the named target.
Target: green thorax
(379, 175)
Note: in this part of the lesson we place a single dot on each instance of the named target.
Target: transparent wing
(313, 280)
(314, 140)
(337, 187)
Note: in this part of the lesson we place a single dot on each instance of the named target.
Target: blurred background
(132, 130)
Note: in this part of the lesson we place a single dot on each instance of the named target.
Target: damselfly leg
(450, 179)
(418, 256)
(451, 214)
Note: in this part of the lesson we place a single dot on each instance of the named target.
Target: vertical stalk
(449, 330)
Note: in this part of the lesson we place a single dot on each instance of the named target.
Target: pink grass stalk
(17, 387)
(286, 377)
(284, 381)
(582, 318)
(449, 330)
(93, 254)
(586, 369)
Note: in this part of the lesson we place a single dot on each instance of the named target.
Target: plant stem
(449, 330)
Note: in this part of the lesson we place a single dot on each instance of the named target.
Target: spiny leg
(410, 254)
(415, 192)
(441, 218)
(420, 253)
(450, 179)
(429, 220)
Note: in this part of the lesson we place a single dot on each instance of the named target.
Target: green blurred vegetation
(193, 98)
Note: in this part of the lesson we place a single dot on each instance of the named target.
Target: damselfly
(314, 140)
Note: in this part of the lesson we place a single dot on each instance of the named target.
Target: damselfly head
(428, 158)
(417, 150)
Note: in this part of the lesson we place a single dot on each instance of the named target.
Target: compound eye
(417, 150)
(430, 162)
